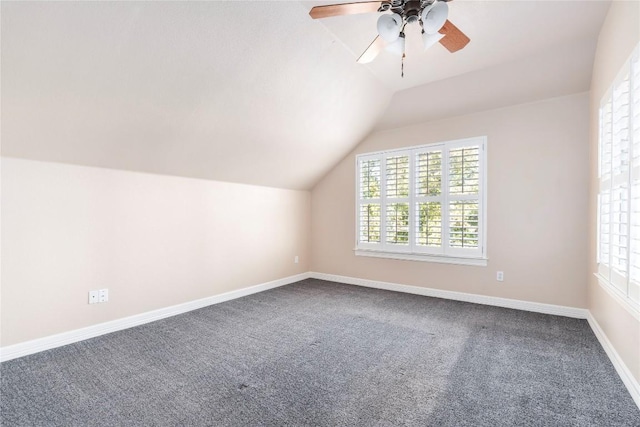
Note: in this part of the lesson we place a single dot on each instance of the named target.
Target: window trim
(455, 255)
(419, 256)
(617, 294)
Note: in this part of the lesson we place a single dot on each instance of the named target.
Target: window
(423, 203)
(618, 228)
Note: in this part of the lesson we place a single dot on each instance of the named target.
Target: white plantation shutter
(604, 231)
(619, 189)
(428, 200)
(604, 198)
(397, 200)
(634, 215)
(425, 200)
(620, 184)
(619, 237)
(369, 201)
(464, 198)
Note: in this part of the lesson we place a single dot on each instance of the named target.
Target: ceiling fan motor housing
(409, 10)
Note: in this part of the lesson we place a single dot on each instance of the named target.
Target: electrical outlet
(98, 296)
(500, 276)
(93, 297)
(295, 259)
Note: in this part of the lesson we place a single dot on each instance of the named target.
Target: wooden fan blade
(453, 39)
(372, 51)
(344, 9)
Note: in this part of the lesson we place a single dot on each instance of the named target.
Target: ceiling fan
(430, 14)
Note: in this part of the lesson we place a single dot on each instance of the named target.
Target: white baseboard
(58, 340)
(623, 371)
(559, 310)
(46, 343)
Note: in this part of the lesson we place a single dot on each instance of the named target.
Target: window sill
(622, 299)
(444, 259)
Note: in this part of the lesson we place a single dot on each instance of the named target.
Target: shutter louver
(619, 236)
(429, 172)
(370, 179)
(397, 177)
(463, 224)
(606, 140)
(463, 171)
(634, 270)
(429, 224)
(398, 223)
(604, 230)
(620, 111)
(370, 223)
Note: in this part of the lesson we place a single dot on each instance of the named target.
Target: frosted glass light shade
(389, 27)
(397, 47)
(434, 16)
(430, 39)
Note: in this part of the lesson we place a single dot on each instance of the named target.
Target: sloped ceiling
(257, 92)
(254, 93)
(561, 71)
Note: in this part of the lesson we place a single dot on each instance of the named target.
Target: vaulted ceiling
(258, 92)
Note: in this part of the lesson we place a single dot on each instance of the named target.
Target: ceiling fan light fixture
(429, 40)
(434, 16)
(389, 27)
(397, 47)
(393, 17)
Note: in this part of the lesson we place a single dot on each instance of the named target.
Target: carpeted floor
(318, 353)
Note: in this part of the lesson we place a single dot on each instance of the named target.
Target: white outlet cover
(103, 295)
(93, 297)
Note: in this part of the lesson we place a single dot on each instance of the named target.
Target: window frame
(414, 252)
(613, 178)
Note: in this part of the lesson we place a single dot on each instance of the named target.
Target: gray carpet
(317, 353)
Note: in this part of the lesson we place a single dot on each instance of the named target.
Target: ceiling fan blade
(344, 9)
(453, 39)
(372, 51)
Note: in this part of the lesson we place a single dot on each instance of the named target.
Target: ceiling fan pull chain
(402, 66)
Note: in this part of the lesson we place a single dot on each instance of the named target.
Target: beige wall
(153, 241)
(537, 203)
(619, 35)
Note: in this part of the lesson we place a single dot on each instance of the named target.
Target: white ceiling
(259, 92)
